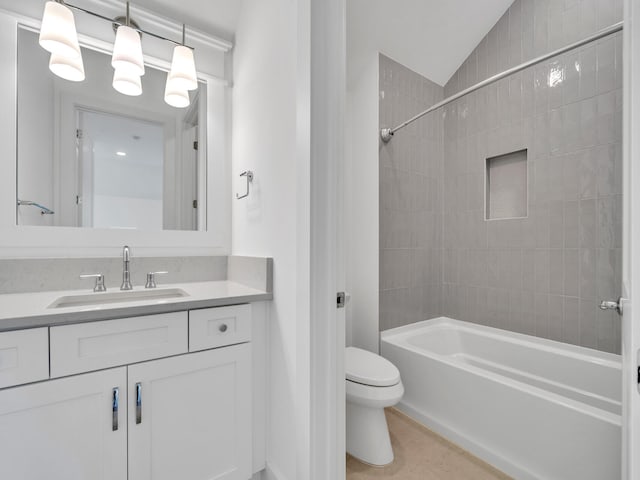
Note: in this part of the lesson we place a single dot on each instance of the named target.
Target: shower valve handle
(611, 305)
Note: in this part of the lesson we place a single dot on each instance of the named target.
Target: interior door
(85, 166)
(190, 416)
(66, 429)
(631, 245)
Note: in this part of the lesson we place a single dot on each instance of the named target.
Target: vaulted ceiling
(431, 37)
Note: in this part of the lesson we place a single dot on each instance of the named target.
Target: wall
(431, 37)
(420, 34)
(265, 223)
(530, 28)
(544, 274)
(411, 191)
(361, 206)
(24, 275)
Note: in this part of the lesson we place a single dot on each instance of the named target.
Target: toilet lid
(368, 368)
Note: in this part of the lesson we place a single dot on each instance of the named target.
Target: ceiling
(216, 17)
(431, 37)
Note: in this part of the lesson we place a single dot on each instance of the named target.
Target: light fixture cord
(184, 27)
(128, 18)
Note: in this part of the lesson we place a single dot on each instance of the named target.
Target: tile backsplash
(51, 274)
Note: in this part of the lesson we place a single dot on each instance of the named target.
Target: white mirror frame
(37, 241)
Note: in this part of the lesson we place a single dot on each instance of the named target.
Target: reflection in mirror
(100, 159)
(114, 153)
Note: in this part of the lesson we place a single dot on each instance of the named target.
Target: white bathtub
(534, 408)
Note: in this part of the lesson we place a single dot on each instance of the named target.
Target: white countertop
(29, 310)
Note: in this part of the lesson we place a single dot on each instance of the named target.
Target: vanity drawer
(96, 345)
(220, 326)
(24, 356)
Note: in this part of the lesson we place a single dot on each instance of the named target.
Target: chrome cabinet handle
(138, 403)
(115, 404)
(99, 286)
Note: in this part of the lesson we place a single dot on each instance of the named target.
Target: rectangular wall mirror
(88, 156)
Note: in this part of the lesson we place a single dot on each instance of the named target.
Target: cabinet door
(66, 429)
(190, 416)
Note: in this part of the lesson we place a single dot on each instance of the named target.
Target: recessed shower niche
(506, 186)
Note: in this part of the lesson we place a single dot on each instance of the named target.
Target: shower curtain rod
(386, 134)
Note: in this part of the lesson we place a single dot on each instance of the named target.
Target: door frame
(631, 243)
(326, 43)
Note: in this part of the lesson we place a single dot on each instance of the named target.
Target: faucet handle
(151, 279)
(99, 286)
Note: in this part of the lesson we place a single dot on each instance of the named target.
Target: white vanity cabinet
(65, 429)
(190, 416)
(164, 416)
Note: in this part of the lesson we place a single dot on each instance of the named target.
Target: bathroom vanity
(151, 389)
(132, 382)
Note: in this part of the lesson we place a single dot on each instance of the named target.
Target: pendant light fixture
(126, 83)
(58, 35)
(182, 77)
(176, 97)
(71, 69)
(58, 31)
(127, 49)
(183, 74)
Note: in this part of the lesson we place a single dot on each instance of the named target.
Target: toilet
(372, 383)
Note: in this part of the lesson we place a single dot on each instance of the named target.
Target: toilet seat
(373, 397)
(367, 368)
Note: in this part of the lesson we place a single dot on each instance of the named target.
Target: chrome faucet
(126, 274)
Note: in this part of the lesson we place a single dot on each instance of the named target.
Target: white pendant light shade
(176, 97)
(127, 51)
(183, 69)
(127, 83)
(71, 69)
(58, 31)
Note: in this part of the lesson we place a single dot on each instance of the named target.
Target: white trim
(306, 381)
(155, 23)
(631, 243)
(327, 271)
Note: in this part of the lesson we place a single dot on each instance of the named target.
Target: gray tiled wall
(411, 174)
(23, 275)
(544, 274)
(530, 28)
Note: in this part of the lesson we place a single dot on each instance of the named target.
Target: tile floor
(420, 454)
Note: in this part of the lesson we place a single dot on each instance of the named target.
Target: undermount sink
(117, 297)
